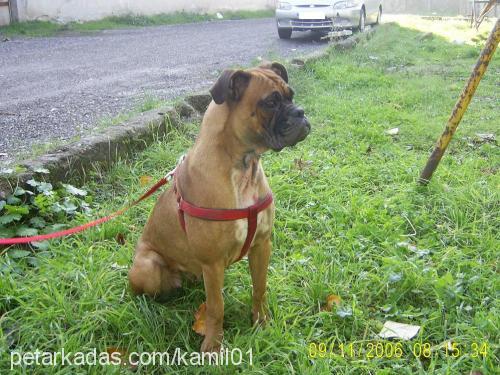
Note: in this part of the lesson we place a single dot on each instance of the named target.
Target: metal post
(462, 104)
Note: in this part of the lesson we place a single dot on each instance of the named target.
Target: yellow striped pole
(462, 104)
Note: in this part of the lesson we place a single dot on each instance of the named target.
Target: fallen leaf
(113, 349)
(398, 330)
(330, 301)
(199, 323)
(121, 353)
(145, 180)
(120, 238)
(393, 131)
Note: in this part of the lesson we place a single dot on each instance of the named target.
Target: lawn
(351, 221)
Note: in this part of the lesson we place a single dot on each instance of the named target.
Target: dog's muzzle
(291, 128)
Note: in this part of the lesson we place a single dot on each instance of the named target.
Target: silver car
(325, 15)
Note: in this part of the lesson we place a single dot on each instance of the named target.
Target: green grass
(46, 28)
(350, 220)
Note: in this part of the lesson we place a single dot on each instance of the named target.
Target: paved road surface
(60, 87)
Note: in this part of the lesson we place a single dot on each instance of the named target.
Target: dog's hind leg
(150, 274)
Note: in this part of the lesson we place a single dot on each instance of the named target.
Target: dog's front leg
(213, 278)
(259, 262)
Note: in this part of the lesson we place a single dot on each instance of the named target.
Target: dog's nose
(297, 112)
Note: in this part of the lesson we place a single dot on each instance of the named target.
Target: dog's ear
(230, 86)
(280, 70)
(277, 68)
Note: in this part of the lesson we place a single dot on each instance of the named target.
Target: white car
(325, 15)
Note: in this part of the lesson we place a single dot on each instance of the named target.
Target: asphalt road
(60, 87)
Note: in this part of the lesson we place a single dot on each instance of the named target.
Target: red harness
(218, 214)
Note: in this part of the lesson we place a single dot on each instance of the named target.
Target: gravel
(58, 88)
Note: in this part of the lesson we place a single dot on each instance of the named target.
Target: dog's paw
(259, 318)
(210, 345)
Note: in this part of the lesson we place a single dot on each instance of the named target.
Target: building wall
(4, 16)
(85, 10)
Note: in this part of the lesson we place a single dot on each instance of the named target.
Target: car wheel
(362, 21)
(284, 33)
(379, 16)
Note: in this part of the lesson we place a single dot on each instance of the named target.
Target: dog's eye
(272, 101)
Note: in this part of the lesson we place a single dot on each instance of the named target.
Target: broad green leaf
(7, 219)
(75, 191)
(56, 208)
(33, 261)
(41, 170)
(33, 183)
(69, 207)
(18, 253)
(38, 222)
(24, 231)
(54, 228)
(45, 187)
(7, 232)
(43, 245)
(19, 191)
(13, 200)
(21, 210)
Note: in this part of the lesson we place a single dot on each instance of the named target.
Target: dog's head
(260, 106)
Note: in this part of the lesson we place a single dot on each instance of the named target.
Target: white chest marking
(246, 195)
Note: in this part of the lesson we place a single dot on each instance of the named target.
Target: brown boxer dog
(251, 112)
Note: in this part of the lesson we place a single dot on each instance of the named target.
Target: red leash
(80, 228)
